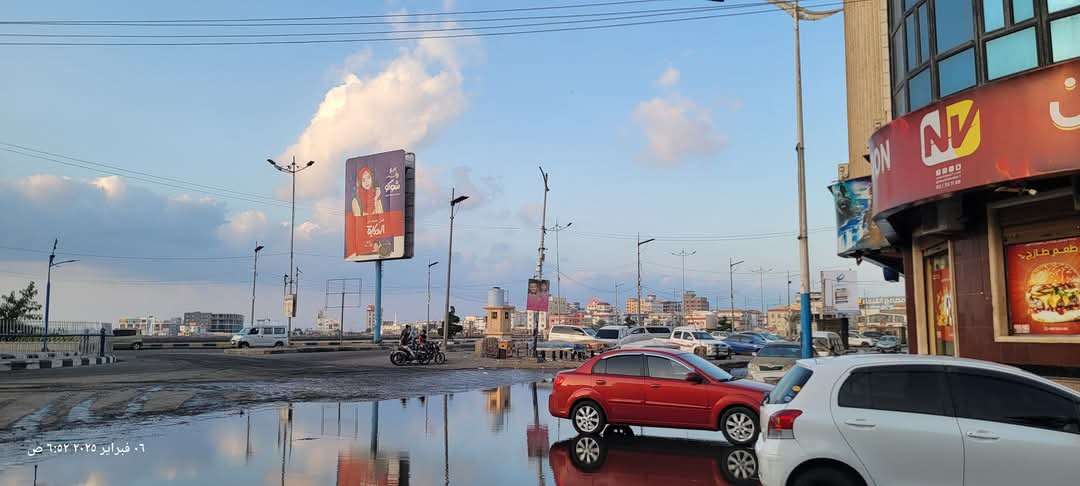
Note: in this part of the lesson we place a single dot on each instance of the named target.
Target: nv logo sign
(949, 133)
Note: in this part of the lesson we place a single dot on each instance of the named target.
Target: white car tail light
(782, 424)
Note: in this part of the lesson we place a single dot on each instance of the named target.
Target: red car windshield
(706, 367)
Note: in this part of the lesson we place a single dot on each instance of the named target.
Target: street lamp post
(639, 243)
(48, 292)
(731, 288)
(540, 261)
(558, 273)
(427, 324)
(617, 321)
(449, 262)
(254, 275)
(683, 254)
(292, 169)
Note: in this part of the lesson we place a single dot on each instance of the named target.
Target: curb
(36, 364)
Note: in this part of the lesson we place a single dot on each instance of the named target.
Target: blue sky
(702, 152)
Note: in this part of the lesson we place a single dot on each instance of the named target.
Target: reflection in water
(385, 444)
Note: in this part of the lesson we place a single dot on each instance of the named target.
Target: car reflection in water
(620, 458)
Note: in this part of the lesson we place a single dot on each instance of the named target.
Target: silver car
(775, 359)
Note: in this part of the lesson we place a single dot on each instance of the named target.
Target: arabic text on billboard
(378, 202)
(1043, 283)
(842, 291)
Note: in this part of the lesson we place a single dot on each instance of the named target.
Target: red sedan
(657, 388)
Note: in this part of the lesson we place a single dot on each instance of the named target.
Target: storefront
(975, 183)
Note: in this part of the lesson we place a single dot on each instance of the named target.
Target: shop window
(898, 56)
(919, 90)
(1040, 253)
(1058, 5)
(1065, 37)
(911, 46)
(993, 15)
(957, 72)
(924, 32)
(953, 23)
(1011, 53)
(940, 301)
(1022, 10)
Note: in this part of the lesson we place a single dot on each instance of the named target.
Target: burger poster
(1043, 281)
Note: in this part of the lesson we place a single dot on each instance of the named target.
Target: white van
(265, 336)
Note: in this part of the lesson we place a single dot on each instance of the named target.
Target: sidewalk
(53, 360)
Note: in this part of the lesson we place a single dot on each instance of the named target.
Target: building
(783, 320)
(214, 323)
(741, 319)
(326, 325)
(369, 319)
(172, 326)
(694, 303)
(963, 173)
(702, 319)
(148, 326)
(599, 311)
(558, 305)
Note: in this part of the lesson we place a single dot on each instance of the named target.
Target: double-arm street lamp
(454, 200)
(292, 169)
(427, 324)
(48, 291)
(639, 243)
(254, 275)
(731, 288)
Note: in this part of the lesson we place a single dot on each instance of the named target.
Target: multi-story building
(701, 319)
(214, 323)
(369, 318)
(597, 310)
(326, 325)
(783, 320)
(694, 303)
(148, 326)
(962, 173)
(172, 326)
(558, 305)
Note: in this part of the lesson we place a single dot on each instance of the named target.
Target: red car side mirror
(694, 378)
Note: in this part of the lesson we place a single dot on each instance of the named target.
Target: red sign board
(1014, 129)
(1043, 281)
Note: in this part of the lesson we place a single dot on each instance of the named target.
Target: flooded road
(498, 436)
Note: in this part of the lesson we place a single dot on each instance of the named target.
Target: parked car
(887, 344)
(859, 340)
(644, 340)
(628, 460)
(874, 419)
(873, 334)
(572, 334)
(770, 364)
(827, 343)
(612, 334)
(744, 343)
(700, 343)
(657, 388)
(655, 331)
(260, 336)
(720, 334)
(127, 339)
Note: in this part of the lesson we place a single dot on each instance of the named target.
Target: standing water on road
(500, 436)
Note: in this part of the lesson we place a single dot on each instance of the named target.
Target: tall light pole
(427, 323)
(449, 262)
(683, 254)
(254, 275)
(292, 169)
(540, 259)
(639, 243)
(761, 274)
(48, 292)
(617, 321)
(731, 287)
(558, 273)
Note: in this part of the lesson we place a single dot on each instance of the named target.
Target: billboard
(379, 198)
(841, 291)
(1014, 129)
(855, 230)
(537, 297)
(1043, 286)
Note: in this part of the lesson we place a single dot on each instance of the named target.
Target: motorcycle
(418, 353)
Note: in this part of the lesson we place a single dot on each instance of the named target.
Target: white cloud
(676, 129)
(113, 186)
(668, 78)
(244, 228)
(414, 96)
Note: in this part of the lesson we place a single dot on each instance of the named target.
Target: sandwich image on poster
(1044, 286)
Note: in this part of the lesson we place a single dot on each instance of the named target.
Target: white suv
(917, 420)
(700, 343)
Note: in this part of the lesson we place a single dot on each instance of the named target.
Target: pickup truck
(700, 343)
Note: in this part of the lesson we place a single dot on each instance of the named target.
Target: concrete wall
(866, 52)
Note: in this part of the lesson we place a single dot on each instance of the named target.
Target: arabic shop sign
(1044, 286)
(1014, 129)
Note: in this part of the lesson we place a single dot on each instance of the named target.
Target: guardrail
(22, 337)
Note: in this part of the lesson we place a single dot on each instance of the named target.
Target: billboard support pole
(540, 262)
(376, 333)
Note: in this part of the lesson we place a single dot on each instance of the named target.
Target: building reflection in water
(497, 403)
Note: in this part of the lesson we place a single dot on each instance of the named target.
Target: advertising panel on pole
(537, 297)
(380, 195)
(1043, 286)
(855, 229)
(1022, 127)
(841, 291)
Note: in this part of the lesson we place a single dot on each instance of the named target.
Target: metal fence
(24, 336)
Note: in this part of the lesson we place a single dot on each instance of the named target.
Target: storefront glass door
(940, 303)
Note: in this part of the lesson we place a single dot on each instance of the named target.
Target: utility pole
(254, 275)
(292, 169)
(48, 292)
(731, 287)
(640, 321)
(617, 321)
(683, 254)
(558, 273)
(761, 274)
(540, 259)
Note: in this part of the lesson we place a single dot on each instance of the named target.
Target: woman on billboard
(366, 227)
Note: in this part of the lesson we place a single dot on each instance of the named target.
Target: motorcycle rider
(406, 336)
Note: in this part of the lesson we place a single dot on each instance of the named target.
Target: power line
(275, 19)
(405, 38)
